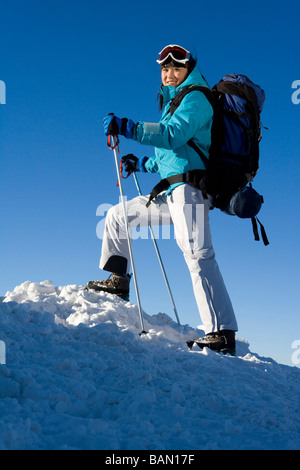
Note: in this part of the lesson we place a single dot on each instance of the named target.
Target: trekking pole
(158, 256)
(113, 147)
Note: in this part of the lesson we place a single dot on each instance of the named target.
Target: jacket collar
(194, 78)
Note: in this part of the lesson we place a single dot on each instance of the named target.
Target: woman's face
(173, 76)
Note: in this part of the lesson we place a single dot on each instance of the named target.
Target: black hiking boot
(115, 284)
(222, 341)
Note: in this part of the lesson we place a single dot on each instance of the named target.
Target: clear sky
(65, 65)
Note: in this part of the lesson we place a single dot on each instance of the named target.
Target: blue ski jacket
(192, 119)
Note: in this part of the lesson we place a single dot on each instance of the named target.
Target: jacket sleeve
(194, 113)
(151, 165)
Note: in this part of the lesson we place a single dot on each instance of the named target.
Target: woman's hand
(116, 126)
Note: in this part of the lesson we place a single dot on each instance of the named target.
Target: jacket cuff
(144, 130)
(140, 164)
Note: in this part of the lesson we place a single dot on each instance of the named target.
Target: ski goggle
(178, 53)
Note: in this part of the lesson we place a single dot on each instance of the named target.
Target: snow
(77, 375)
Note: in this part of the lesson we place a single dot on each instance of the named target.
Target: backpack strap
(204, 159)
(194, 178)
(209, 94)
(264, 237)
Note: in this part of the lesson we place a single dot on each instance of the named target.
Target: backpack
(234, 152)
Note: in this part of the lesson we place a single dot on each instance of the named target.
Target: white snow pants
(188, 211)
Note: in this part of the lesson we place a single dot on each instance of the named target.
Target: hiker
(182, 203)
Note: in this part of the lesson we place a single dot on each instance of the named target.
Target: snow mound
(77, 375)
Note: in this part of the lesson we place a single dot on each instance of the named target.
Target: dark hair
(191, 64)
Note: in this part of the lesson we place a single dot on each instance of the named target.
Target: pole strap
(116, 140)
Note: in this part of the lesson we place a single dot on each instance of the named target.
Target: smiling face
(173, 76)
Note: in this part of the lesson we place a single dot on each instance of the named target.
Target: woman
(181, 203)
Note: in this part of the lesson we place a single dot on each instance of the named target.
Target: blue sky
(68, 63)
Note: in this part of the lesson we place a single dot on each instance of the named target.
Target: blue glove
(133, 164)
(130, 162)
(116, 126)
